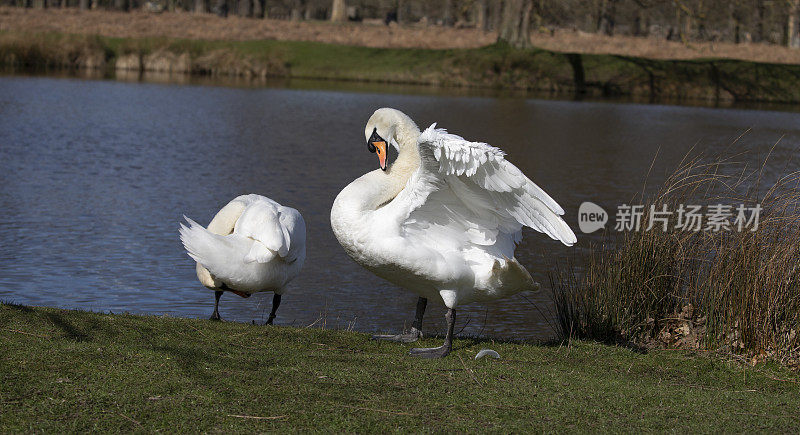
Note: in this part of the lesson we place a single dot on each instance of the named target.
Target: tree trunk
(447, 16)
(258, 9)
(607, 17)
(792, 35)
(221, 8)
(199, 6)
(525, 25)
(638, 25)
(245, 8)
(480, 15)
(515, 24)
(401, 13)
(83, 4)
(297, 10)
(121, 5)
(688, 28)
(497, 14)
(760, 12)
(339, 11)
(38, 4)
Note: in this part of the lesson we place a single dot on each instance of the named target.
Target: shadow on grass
(81, 329)
(86, 332)
(16, 306)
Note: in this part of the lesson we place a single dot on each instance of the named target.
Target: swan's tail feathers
(513, 275)
(219, 254)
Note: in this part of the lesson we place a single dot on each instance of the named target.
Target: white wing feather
(276, 230)
(469, 194)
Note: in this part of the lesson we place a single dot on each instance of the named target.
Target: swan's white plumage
(445, 218)
(253, 244)
(490, 187)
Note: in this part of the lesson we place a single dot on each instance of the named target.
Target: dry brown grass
(735, 291)
(206, 26)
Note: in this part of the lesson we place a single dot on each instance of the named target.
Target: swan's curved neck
(408, 159)
(376, 188)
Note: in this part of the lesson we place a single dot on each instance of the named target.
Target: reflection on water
(98, 173)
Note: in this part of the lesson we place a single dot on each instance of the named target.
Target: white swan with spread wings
(442, 220)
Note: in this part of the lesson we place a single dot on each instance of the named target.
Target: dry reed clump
(52, 51)
(160, 56)
(735, 291)
(228, 63)
(173, 57)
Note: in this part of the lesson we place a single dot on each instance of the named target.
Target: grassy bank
(75, 371)
(494, 66)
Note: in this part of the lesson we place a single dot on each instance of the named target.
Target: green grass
(66, 370)
(497, 66)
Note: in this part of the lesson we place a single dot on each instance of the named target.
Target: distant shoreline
(493, 66)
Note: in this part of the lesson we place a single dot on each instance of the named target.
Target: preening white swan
(442, 220)
(252, 245)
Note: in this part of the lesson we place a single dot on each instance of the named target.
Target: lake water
(97, 174)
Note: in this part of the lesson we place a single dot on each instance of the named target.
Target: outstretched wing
(468, 192)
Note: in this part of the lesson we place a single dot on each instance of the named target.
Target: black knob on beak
(375, 137)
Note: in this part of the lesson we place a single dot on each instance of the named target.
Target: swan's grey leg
(442, 351)
(416, 327)
(215, 314)
(276, 302)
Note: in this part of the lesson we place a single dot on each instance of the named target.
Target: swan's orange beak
(380, 150)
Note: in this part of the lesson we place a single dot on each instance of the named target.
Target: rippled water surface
(97, 174)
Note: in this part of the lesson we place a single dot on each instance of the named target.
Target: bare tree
(515, 24)
(761, 10)
(298, 7)
(497, 14)
(607, 17)
(221, 8)
(245, 8)
(480, 15)
(339, 11)
(447, 14)
(401, 11)
(792, 36)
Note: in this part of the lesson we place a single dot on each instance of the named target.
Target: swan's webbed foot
(416, 328)
(409, 337)
(431, 352)
(443, 350)
(215, 314)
